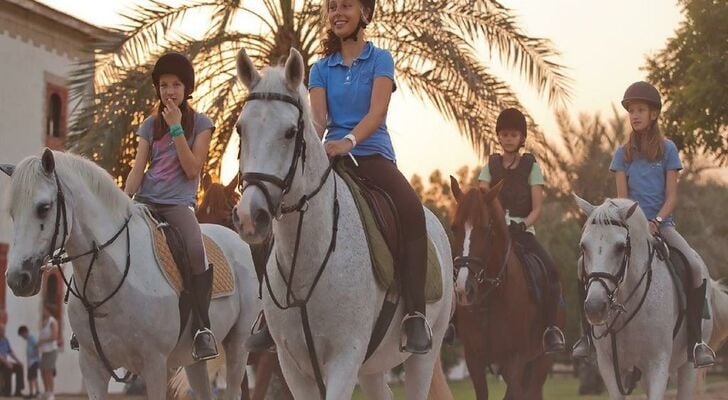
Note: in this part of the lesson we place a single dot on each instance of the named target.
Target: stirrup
(202, 332)
(553, 328)
(582, 341)
(695, 359)
(403, 335)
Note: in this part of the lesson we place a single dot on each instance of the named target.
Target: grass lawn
(563, 388)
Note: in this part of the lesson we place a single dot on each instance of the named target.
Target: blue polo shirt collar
(337, 59)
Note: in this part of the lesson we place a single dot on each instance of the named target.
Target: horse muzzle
(26, 280)
(252, 217)
(465, 288)
(596, 310)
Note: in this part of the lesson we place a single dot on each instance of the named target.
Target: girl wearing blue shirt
(646, 170)
(350, 90)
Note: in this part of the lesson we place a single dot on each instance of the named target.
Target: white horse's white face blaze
(463, 274)
(264, 125)
(33, 212)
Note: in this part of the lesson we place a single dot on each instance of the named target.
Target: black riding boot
(553, 338)
(583, 347)
(417, 329)
(204, 346)
(698, 351)
(260, 340)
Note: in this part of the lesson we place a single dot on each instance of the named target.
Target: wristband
(352, 139)
(176, 130)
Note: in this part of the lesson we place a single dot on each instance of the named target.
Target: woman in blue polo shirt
(646, 170)
(350, 89)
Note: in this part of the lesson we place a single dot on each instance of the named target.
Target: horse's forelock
(470, 208)
(273, 80)
(610, 211)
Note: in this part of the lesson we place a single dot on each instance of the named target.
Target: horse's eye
(291, 133)
(43, 209)
(619, 248)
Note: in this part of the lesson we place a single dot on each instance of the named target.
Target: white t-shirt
(46, 332)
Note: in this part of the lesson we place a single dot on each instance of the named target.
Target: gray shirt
(165, 181)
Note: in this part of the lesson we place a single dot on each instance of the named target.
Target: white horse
(276, 134)
(630, 292)
(62, 201)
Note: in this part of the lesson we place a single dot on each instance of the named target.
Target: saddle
(534, 270)
(383, 232)
(174, 264)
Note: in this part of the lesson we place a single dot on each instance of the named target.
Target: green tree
(432, 43)
(692, 74)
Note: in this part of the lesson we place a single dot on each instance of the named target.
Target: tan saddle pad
(223, 281)
(381, 228)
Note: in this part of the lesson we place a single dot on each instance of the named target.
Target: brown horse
(496, 319)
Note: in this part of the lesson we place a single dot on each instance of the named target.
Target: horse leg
(686, 377)
(155, 375)
(301, 386)
(657, 378)
(513, 373)
(375, 386)
(235, 360)
(418, 369)
(476, 370)
(439, 389)
(606, 370)
(95, 376)
(263, 373)
(199, 380)
(539, 370)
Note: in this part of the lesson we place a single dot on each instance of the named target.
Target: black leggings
(413, 269)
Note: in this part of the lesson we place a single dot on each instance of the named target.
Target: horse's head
(271, 128)
(37, 208)
(611, 232)
(479, 223)
(218, 200)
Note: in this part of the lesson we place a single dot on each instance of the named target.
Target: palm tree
(433, 43)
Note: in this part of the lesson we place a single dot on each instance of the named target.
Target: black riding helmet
(512, 118)
(642, 91)
(175, 64)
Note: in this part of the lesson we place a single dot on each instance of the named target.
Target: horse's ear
(48, 162)
(455, 187)
(206, 181)
(629, 212)
(294, 70)
(233, 184)
(8, 169)
(247, 73)
(585, 206)
(491, 194)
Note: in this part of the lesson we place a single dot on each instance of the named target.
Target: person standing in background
(48, 348)
(33, 359)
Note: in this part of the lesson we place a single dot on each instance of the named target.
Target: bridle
(60, 257)
(259, 179)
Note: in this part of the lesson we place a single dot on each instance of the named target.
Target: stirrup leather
(712, 353)
(202, 332)
(403, 335)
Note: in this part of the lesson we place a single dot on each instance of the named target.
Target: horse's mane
(69, 167)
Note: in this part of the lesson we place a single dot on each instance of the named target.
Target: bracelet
(176, 130)
(352, 139)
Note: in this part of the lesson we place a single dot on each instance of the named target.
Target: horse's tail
(178, 388)
(719, 306)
